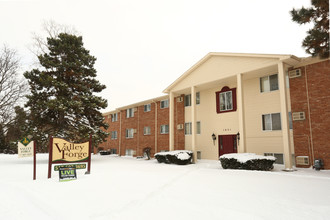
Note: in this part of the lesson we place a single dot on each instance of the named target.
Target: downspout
(138, 131)
(120, 134)
(309, 116)
(156, 130)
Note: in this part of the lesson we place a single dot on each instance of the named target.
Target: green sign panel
(25, 141)
(67, 173)
(76, 166)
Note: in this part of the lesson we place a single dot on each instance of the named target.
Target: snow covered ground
(129, 188)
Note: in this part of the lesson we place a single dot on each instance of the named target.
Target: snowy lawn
(129, 188)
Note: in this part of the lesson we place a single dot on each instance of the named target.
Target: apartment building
(233, 102)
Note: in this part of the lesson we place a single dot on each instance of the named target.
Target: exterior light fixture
(214, 138)
(238, 137)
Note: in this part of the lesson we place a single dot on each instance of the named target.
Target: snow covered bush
(180, 157)
(247, 161)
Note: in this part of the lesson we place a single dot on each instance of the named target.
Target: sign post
(62, 151)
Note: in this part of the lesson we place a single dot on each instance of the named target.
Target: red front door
(227, 144)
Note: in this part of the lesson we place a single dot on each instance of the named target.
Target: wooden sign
(62, 151)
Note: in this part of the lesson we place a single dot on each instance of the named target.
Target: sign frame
(51, 162)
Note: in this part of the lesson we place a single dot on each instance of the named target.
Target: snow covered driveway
(129, 188)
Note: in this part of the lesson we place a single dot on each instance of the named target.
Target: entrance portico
(242, 73)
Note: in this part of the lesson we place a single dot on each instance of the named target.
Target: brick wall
(142, 119)
(310, 93)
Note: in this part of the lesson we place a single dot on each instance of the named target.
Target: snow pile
(181, 157)
(244, 157)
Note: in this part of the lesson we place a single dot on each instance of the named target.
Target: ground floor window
(279, 157)
(187, 128)
(129, 152)
(113, 135)
(113, 151)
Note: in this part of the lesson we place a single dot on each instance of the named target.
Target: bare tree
(51, 29)
(12, 87)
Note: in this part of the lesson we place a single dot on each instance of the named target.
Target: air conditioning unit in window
(302, 160)
(179, 99)
(179, 126)
(298, 116)
(135, 109)
(294, 73)
(134, 130)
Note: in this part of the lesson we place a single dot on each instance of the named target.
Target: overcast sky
(142, 46)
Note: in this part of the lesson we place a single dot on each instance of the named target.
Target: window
(113, 151)
(198, 99)
(146, 131)
(129, 133)
(226, 100)
(269, 83)
(271, 122)
(130, 113)
(113, 135)
(187, 128)
(164, 104)
(129, 152)
(187, 100)
(198, 127)
(114, 117)
(147, 108)
(164, 129)
(279, 157)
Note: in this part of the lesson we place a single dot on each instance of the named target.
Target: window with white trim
(198, 98)
(164, 104)
(164, 129)
(271, 122)
(130, 113)
(113, 135)
(187, 128)
(147, 108)
(187, 100)
(114, 117)
(129, 133)
(198, 127)
(146, 130)
(269, 83)
(226, 101)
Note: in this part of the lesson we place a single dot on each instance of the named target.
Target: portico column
(241, 118)
(284, 117)
(193, 123)
(171, 126)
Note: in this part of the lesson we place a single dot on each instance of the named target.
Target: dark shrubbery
(176, 157)
(262, 163)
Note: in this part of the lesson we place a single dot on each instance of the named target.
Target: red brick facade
(141, 119)
(310, 93)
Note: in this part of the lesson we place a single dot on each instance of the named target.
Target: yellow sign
(65, 151)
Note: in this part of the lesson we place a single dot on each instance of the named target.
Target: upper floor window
(271, 122)
(269, 83)
(164, 129)
(129, 133)
(226, 100)
(198, 98)
(113, 135)
(146, 131)
(130, 113)
(164, 104)
(114, 117)
(187, 100)
(147, 108)
(198, 127)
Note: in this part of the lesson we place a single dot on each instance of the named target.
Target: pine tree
(316, 42)
(62, 101)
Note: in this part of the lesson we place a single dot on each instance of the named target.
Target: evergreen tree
(62, 101)
(316, 42)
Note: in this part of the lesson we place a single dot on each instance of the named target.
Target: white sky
(142, 46)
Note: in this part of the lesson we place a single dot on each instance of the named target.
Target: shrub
(247, 161)
(182, 157)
